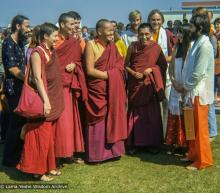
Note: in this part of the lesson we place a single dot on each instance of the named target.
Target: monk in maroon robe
(69, 137)
(106, 105)
(146, 65)
(38, 153)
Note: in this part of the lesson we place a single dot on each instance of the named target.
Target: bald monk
(106, 106)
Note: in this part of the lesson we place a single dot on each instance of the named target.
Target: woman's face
(217, 27)
(156, 21)
(144, 35)
(52, 39)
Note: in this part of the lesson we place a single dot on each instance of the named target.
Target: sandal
(55, 172)
(192, 168)
(44, 177)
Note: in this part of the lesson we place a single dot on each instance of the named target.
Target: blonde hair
(134, 14)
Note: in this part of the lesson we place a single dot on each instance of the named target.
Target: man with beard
(106, 127)
(69, 137)
(13, 57)
(198, 87)
(131, 35)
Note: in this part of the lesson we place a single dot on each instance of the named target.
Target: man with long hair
(13, 57)
(198, 84)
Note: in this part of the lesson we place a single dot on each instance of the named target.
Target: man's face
(76, 26)
(24, 30)
(144, 35)
(135, 22)
(106, 32)
(79, 32)
(156, 21)
(77, 23)
(84, 30)
(68, 26)
(114, 26)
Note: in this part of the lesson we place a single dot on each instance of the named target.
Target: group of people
(112, 94)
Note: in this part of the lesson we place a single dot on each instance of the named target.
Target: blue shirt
(13, 55)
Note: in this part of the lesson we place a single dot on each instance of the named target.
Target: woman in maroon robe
(146, 65)
(38, 156)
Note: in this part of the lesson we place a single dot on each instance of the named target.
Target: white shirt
(128, 37)
(198, 71)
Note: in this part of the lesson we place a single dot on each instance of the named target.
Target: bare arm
(127, 61)
(172, 65)
(36, 67)
(15, 71)
(90, 64)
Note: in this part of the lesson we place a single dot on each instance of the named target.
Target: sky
(91, 11)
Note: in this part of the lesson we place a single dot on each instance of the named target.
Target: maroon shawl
(141, 92)
(53, 83)
(108, 97)
(70, 52)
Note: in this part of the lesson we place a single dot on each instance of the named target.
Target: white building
(186, 11)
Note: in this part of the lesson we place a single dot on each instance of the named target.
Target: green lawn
(143, 173)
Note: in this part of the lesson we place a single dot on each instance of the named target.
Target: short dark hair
(100, 23)
(113, 21)
(47, 28)
(75, 15)
(17, 20)
(85, 27)
(177, 23)
(170, 23)
(63, 18)
(153, 12)
(145, 25)
(201, 21)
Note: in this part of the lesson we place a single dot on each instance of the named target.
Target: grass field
(142, 173)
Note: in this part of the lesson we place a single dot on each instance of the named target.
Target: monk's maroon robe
(69, 137)
(106, 108)
(144, 96)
